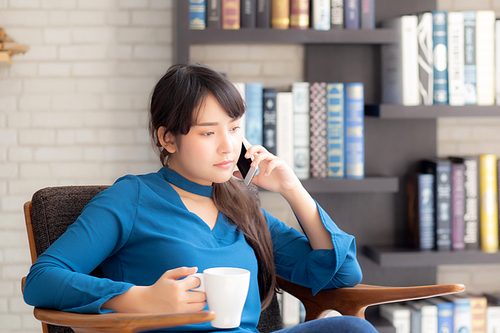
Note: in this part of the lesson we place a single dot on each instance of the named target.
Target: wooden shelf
(400, 257)
(394, 111)
(310, 36)
(347, 185)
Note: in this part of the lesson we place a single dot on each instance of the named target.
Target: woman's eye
(207, 133)
(235, 128)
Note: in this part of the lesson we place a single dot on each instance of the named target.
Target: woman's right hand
(167, 295)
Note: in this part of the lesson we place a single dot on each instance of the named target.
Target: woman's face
(209, 151)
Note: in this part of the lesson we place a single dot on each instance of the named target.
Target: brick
(59, 4)
(94, 68)
(131, 85)
(18, 120)
(26, 35)
(115, 18)
(3, 153)
(14, 220)
(80, 170)
(8, 137)
(276, 52)
(86, 18)
(129, 4)
(93, 35)
(83, 52)
(136, 35)
(120, 52)
(49, 85)
(485, 133)
(65, 137)
(97, 4)
(117, 102)
(24, 18)
(164, 35)
(58, 120)
(59, 17)
(24, 4)
(57, 35)
(151, 18)
(10, 322)
(85, 136)
(28, 321)
(161, 4)
(8, 103)
(233, 52)
(24, 69)
(39, 52)
(113, 119)
(142, 136)
(6, 288)
(53, 154)
(127, 153)
(12, 238)
(76, 102)
(33, 171)
(93, 154)
(16, 255)
(31, 102)
(36, 136)
(115, 136)
(15, 271)
(471, 5)
(246, 68)
(12, 86)
(20, 154)
(152, 52)
(30, 185)
(91, 85)
(3, 189)
(4, 305)
(8, 170)
(54, 69)
(142, 68)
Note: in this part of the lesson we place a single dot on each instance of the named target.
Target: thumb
(180, 272)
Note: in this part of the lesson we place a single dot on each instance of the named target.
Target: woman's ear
(167, 140)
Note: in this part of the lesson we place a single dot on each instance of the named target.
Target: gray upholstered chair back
(55, 208)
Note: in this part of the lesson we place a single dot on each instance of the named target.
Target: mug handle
(201, 287)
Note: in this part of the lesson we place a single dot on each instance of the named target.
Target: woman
(150, 232)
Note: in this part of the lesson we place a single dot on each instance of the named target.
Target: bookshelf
(390, 111)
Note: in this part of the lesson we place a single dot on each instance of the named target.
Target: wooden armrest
(120, 322)
(354, 301)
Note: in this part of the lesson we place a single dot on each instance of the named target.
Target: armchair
(53, 209)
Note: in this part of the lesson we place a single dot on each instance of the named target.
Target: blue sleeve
(296, 261)
(59, 279)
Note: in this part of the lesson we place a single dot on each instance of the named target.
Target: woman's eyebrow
(215, 123)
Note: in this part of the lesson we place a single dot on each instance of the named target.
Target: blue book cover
(470, 57)
(335, 129)
(426, 210)
(352, 14)
(445, 310)
(354, 131)
(197, 10)
(440, 42)
(254, 117)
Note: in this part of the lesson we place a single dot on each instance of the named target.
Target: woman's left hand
(274, 175)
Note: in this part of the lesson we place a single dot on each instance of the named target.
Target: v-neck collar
(185, 184)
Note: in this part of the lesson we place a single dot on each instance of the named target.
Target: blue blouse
(139, 228)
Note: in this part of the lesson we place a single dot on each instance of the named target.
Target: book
(497, 61)
(425, 58)
(462, 319)
(280, 14)
(263, 14)
(197, 10)
(248, 14)
(456, 58)
(485, 57)
(457, 204)
(269, 119)
(351, 9)
(428, 315)
(399, 63)
(284, 127)
(301, 143)
(444, 314)
(354, 130)
(318, 130)
(398, 314)
(367, 14)
(321, 14)
(488, 203)
(440, 44)
(441, 169)
(420, 199)
(335, 128)
(299, 14)
(478, 306)
(471, 213)
(214, 14)
(470, 93)
(231, 14)
(492, 318)
(337, 14)
(415, 320)
(253, 99)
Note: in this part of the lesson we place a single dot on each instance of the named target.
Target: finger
(196, 297)
(255, 150)
(191, 282)
(270, 167)
(179, 272)
(195, 307)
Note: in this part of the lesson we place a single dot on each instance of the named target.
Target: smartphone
(243, 164)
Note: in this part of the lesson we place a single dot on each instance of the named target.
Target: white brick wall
(73, 111)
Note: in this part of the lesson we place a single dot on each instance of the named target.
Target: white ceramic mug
(226, 289)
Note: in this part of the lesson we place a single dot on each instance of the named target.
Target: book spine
(231, 14)
(351, 14)
(197, 10)
(456, 58)
(299, 14)
(488, 191)
(470, 95)
(457, 206)
(429, 318)
(485, 49)
(301, 142)
(440, 57)
(443, 205)
(497, 61)
(248, 13)
(445, 317)
(471, 214)
(354, 131)
(426, 211)
(335, 120)
(318, 129)
(321, 14)
(280, 14)
(337, 14)
(367, 14)
(214, 14)
(493, 319)
(478, 306)
(284, 127)
(253, 92)
(462, 315)
(263, 14)
(269, 119)
(425, 58)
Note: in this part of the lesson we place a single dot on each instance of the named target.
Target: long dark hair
(175, 103)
